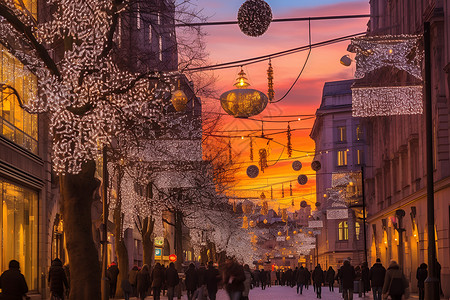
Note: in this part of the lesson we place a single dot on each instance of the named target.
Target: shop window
(343, 231)
(16, 124)
(19, 230)
(359, 133)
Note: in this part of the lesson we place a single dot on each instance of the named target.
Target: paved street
(285, 293)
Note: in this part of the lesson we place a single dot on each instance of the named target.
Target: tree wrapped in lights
(91, 93)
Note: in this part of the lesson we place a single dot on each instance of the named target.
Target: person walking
(318, 279)
(302, 279)
(257, 277)
(112, 273)
(421, 275)
(376, 277)
(330, 278)
(247, 282)
(132, 279)
(395, 283)
(126, 288)
(200, 293)
(12, 282)
(212, 278)
(157, 280)
(365, 282)
(308, 274)
(142, 282)
(191, 281)
(172, 279)
(347, 276)
(263, 278)
(234, 278)
(57, 279)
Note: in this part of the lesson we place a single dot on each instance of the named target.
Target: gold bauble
(179, 100)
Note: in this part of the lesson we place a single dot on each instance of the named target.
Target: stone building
(340, 148)
(396, 179)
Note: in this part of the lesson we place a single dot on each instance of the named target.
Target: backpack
(396, 287)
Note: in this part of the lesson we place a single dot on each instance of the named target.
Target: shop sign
(281, 238)
(172, 257)
(335, 214)
(159, 241)
(315, 224)
(158, 252)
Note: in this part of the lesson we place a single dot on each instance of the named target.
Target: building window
(15, 123)
(342, 134)
(342, 158)
(359, 157)
(19, 230)
(343, 231)
(357, 230)
(359, 133)
(30, 5)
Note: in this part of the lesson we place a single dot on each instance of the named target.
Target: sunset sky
(227, 43)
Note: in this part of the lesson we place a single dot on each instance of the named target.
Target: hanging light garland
(289, 142)
(254, 17)
(271, 92)
(282, 190)
(229, 150)
(271, 193)
(263, 159)
(251, 149)
(290, 190)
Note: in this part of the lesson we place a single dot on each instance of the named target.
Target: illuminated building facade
(340, 148)
(396, 180)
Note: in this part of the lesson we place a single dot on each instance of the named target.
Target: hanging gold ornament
(284, 215)
(229, 150)
(282, 190)
(271, 92)
(179, 99)
(234, 206)
(265, 208)
(251, 149)
(263, 159)
(245, 222)
(289, 142)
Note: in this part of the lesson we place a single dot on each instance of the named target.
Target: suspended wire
(301, 71)
(248, 61)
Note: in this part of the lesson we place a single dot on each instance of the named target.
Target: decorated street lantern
(243, 102)
(254, 17)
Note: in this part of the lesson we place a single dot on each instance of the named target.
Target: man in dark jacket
(263, 277)
(302, 279)
(234, 278)
(57, 279)
(212, 277)
(421, 275)
(157, 280)
(347, 276)
(376, 277)
(13, 283)
(365, 281)
(318, 279)
(112, 273)
(191, 281)
(172, 279)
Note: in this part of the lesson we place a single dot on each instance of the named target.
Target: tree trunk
(121, 248)
(77, 194)
(204, 255)
(178, 239)
(147, 241)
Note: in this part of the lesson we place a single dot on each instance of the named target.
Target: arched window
(357, 230)
(343, 231)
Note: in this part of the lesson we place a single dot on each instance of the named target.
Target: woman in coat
(318, 280)
(142, 282)
(395, 283)
(57, 279)
(157, 279)
(191, 281)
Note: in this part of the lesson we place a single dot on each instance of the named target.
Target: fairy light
(387, 101)
(400, 51)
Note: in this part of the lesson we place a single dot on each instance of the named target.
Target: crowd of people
(202, 282)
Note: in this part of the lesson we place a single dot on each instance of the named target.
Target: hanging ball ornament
(254, 17)
(279, 233)
(303, 204)
(252, 171)
(302, 179)
(265, 221)
(296, 165)
(316, 165)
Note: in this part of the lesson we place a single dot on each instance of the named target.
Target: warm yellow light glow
(279, 233)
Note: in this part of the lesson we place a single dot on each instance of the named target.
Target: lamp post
(364, 213)
(432, 281)
(104, 228)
